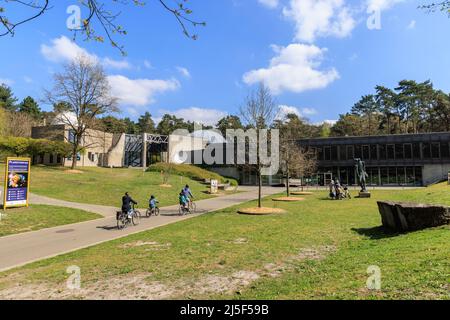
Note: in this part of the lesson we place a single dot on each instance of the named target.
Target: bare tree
(84, 88)
(19, 124)
(259, 112)
(100, 16)
(296, 162)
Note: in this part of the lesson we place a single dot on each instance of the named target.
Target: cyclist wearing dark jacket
(126, 203)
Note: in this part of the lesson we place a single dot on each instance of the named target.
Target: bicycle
(192, 206)
(182, 210)
(152, 212)
(124, 220)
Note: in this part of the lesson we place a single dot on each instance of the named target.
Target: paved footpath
(21, 249)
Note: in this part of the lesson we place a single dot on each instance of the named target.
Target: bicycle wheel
(180, 210)
(156, 211)
(136, 218)
(121, 222)
(192, 207)
(148, 213)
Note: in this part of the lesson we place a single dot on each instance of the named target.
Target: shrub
(19, 146)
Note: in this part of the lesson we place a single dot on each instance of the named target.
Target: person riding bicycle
(184, 201)
(187, 193)
(126, 204)
(153, 203)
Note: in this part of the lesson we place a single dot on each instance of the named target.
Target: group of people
(185, 198)
(338, 191)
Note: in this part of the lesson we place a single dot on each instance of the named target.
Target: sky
(318, 57)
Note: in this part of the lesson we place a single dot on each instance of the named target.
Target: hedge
(19, 146)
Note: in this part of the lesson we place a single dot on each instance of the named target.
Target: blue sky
(317, 56)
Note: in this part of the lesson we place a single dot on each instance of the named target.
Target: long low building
(403, 159)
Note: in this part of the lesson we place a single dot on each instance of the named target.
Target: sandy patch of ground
(288, 199)
(167, 186)
(151, 244)
(260, 211)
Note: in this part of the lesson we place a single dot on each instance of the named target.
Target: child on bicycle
(153, 203)
(184, 202)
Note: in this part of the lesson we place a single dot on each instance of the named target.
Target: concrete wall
(434, 172)
(116, 152)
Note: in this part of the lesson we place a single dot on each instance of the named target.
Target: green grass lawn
(319, 249)
(38, 217)
(106, 186)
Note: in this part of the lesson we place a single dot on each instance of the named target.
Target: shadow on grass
(376, 233)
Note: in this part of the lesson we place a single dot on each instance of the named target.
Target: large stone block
(401, 216)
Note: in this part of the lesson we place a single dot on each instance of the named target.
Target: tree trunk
(259, 188)
(288, 176)
(74, 158)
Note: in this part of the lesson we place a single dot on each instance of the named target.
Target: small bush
(190, 171)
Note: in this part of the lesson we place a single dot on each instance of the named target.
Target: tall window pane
(399, 151)
(390, 152)
(408, 151)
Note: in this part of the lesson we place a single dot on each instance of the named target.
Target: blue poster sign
(17, 177)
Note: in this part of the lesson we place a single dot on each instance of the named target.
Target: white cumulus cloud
(63, 49)
(139, 92)
(284, 110)
(184, 72)
(204, 116)
(381, 5)
(295, 68)
(319, 18)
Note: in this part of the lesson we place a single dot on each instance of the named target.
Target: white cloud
(200, 115)
(295, 69)
(115, 64)
(412, 25)
(6, 81)
(269, 3)
(139, 92)
(381, 5)
(63, 49)
(284, 110)
(184, 72)
(319, 18)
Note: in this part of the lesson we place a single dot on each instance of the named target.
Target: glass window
(435, 153)
(398, 151)
(327, 153)
(71, 136)
(334, 153)
(358, 153)
(416, 151)
(384, 176)
(382, 151)
(393, 176)
(410, 177)
(408, 151)
(418, 176)
(373, 152)
(390, 152)
(445, 150)
(373, 176)
(342, 153)
(401, 176)
(350, 153)
(426, 150)
(365, 152)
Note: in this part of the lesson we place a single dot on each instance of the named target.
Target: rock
(401, 216)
